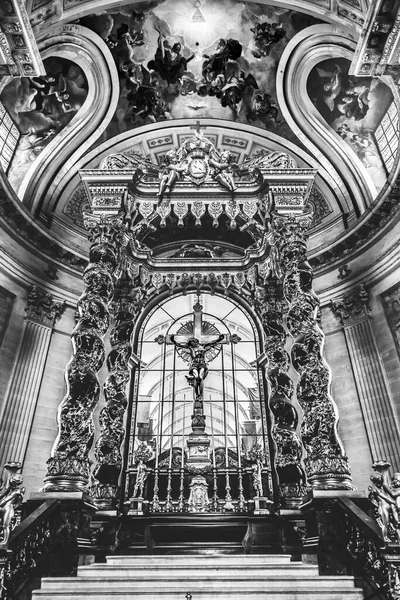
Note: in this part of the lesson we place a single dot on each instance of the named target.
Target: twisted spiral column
(291, 477)
(127, 305)
(326, 463)
(68, 465)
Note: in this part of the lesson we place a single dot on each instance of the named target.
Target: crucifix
(198, 343)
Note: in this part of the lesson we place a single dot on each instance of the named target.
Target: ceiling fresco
(353, 107)
(41, 107)
(168, 60)
(185, 59)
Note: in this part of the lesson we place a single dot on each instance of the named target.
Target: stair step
(203, 594)
(197, 571)
(188, 560)
(233, 577)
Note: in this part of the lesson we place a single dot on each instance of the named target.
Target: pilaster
(27, 373)
(353, 312)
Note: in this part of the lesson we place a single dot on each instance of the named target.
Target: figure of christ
(198, 368)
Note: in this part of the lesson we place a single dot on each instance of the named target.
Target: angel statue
(385, 495)
(224, 170)
(11, 495)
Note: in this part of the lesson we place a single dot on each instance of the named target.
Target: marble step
(196, 571)
(201, 594)
(171, 583)
(197, 560)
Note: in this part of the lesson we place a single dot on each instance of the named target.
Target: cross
(198, 126)
(197, 332)
(198, 350)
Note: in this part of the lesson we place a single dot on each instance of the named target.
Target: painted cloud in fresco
(193, 59)
(41, 107)
(353, 107)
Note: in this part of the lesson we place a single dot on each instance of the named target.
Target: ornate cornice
(378, 48)
(42, 308)
(19, 53)
(353, 307)
(369, 226)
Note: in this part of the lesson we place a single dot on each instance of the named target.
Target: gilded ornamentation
(68, 465)
(126, 305)
(326, 464)
(269, 305)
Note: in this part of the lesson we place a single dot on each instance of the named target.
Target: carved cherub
(11, 497)
(381, 494)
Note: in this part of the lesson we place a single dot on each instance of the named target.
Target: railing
(168, 490)
(25, 557)
(344, 536)
(377, 560)
(50, 541)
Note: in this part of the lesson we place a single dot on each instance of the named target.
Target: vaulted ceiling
(136, 78)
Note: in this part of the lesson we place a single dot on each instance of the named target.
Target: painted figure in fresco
(10, 499)
(266, 35)
(265, 108)
(216, 64)
(198, 368)
(353, 102)
(335, 94)
(169, 62)
(223, 170)
(141, 477)
(235, 89)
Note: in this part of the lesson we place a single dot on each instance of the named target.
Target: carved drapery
(68, 465)
(326, 464)
(126, 306)
(269, 306)
(22, 394)
(353, 312)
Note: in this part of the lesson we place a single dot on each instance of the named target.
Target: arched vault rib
(303, 52)
(86, 49)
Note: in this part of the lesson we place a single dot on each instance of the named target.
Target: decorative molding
(378, 48)
(41, 308)
(353, 307)
(320, 207)
(19, 53)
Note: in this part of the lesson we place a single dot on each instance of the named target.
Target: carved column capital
(353, 307)
(42, 308)
(106, 228)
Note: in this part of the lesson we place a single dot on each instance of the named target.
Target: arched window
(236, 422)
